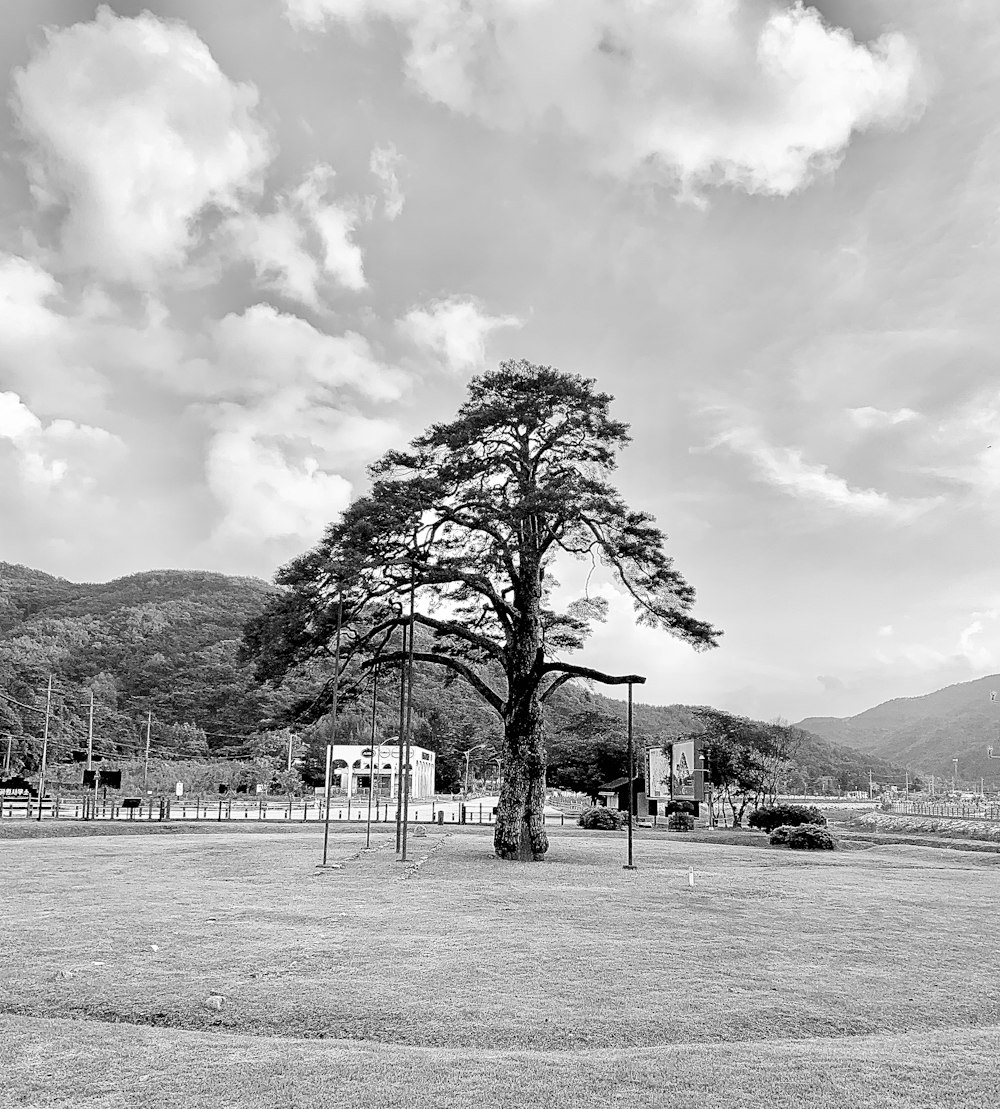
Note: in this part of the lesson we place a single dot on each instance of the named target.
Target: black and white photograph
(499, 523)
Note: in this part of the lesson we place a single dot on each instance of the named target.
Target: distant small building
(614, 795)
(352, 770)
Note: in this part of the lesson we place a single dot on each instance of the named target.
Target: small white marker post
(691, 877)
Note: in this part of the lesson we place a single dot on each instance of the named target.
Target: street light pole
(333, 724)
(631, 799)
(409, 704)
(402, 725)
(372, 762)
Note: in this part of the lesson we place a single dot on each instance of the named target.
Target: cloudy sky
(247, 245)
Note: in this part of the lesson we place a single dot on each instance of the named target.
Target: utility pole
(871, 786)
(954, 776)
(631, 796)
(291, 737)
(6, 760)
(145, 760)
(45, 749)
(333, 722)
(907, 787)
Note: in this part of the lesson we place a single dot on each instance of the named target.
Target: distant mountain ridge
(927, 732)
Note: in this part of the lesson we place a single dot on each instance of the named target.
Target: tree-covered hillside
(167, 642)
(164, 642)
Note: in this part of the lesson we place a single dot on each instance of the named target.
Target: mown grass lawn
(224, 969)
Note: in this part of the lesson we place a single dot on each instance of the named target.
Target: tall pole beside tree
(516, 481)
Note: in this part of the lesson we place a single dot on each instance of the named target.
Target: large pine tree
(472, 518)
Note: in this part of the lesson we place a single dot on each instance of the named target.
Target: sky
(247, 246)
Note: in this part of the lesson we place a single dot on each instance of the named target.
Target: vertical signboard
(682, 767)
(657, 774)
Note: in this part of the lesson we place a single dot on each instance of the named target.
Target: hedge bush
(774, 816)
(804, 837)
(680, 822)
(678, 806)
(603, 819)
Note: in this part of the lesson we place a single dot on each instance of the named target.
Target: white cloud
(263, 351)
(786, 469)
(306, 240)
(708, 92)
(268, 496)
(868, 417)
(455, 331)
(135, 132)
(885, 631)
(384, 163)
(284, 423)
(61, 453)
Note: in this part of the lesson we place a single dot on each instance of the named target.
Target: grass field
(222, 968)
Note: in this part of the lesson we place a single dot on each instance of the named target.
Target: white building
(352, 769)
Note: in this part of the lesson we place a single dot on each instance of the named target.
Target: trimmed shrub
(780, 834)
(601, 819)
(678, 806)
(680, 822)
(811, 837)
(774, 816)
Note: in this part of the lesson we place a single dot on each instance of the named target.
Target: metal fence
(276, 810)
(959, 810)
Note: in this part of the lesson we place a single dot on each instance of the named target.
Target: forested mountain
(926, 733)
(164, 642)
(167, 643)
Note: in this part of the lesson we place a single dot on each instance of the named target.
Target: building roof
(618, 783)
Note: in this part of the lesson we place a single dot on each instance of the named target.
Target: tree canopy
(471, 520)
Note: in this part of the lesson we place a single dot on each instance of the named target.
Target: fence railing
(959, 810)
(293, 810)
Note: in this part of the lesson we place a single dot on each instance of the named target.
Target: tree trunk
(520, 827)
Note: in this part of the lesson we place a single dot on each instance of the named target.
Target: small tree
(745, 758)
(471, 520)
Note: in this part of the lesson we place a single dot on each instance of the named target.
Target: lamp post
(631, 797)
(373, 761)
(333, 727)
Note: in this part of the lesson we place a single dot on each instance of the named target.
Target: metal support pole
(409, 710)
(145, 761)
(90, 735)
(631, 799)
(333, 729)
(399, 753)
(45, 750)
(372, 762)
